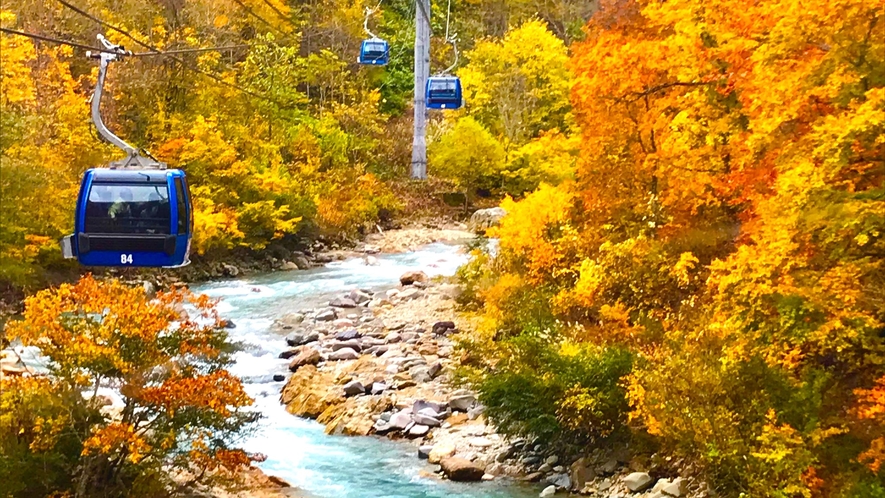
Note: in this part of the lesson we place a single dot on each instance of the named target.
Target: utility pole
(422, 72)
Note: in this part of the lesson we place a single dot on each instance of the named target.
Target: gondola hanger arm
(369, 12)
(133, 157)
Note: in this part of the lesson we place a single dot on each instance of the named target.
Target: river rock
(442, 449)
(420, 374)
(460, 469)
(302, 338)
(638, 481)
(421, 405)
(581, 473)
(410, 293)
(418, 430)
(359, 297)
(440, 328)
(480, 442)
(352, 344)
(677, 488)
(424, 451)
(279, 377)
(326, 315)
(475, 412)
(425, 420)
(230, 270)
(377, 350)
(307, 356)
(548, 491)
(348, 335)
(342, 302)
(342, 323)
(285, 355)
(551, 460)
(378, 388)
(505, 453)
(449, 291)
(288, 265)
(533, 477)
(430, 412)
(560, 481)
(353, 388)
(462, 403)
(344, 354)
(483, 219)
(403, 384)
(302, 263)
(400, 420)
(410, 277)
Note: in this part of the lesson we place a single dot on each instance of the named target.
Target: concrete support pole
(422, 72)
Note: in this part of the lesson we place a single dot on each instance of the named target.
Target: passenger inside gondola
(122, 206)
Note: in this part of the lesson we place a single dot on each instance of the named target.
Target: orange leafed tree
(181, 409)
(726, 226)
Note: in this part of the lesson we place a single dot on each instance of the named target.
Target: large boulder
(410, 277)
(307, 356)
(460, 469)
(483, 219)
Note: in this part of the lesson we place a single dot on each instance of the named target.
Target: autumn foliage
(180, 409)
(726, 225)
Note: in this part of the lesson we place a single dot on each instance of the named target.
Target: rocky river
(298, 450)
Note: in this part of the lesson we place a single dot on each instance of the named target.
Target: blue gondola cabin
(443, 92)
(374, 51)
(132, 218)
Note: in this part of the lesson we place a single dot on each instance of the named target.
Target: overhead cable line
(160, 52)
(53, 40)
(59, 41)
(190, 50)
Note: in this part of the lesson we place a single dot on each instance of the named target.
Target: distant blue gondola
(375, 52)
(443, 92)
(132, 218)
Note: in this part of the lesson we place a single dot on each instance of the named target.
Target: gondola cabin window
(443, 89)
(128, 208)
(375, 50)
(183, 217)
